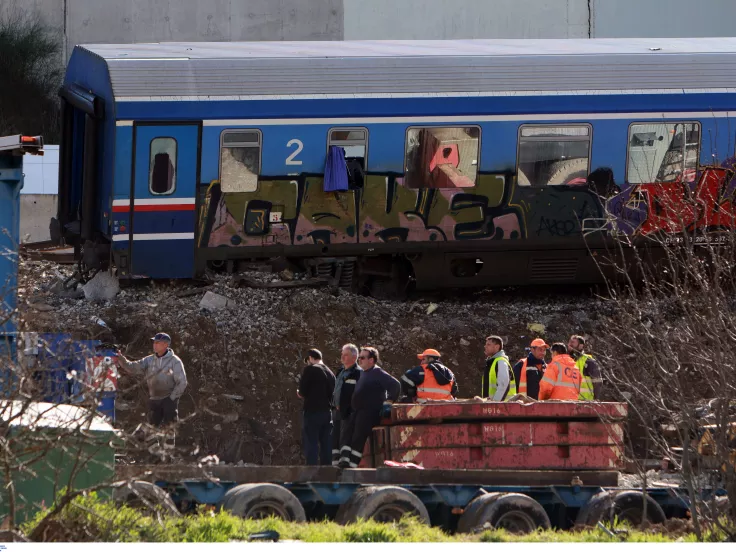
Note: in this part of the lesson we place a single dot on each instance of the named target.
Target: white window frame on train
(448, 127)
(651, 149)
(551, 138)
(174, 165)
(348, 143)
(244, 144)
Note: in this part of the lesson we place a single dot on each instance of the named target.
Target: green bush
(90, 519)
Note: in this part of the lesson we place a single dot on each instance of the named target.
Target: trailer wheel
(262, 500)
(145, 496)
(224, 503)
(514, 512)
(607, 507)
(384, 504)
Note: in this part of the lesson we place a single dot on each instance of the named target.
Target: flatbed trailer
(454, 499)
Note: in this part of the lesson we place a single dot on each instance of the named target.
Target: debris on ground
(213, 301)
(244, 361)
(103, 287)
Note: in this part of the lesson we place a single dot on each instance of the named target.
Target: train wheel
(146, 496)
(513, 512)
(263, 500)
(384, 504)
(608, 507)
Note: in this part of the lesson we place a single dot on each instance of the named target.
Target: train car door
(163, 206)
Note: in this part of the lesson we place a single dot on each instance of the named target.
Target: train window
(240, 160)
(354, 142)
(445, 157)
(663, 152)
(552, 155)
(162, 170)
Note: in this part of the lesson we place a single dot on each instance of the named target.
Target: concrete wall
(87, 21)
(124, 21)
(36, 211)
(663, 18)
(445, 19)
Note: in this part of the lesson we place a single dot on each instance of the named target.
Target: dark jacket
(534, 373)
(415, 377)
(347, 379)
(374, 387)
(316, 387)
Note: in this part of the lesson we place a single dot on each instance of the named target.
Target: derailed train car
(447, 163)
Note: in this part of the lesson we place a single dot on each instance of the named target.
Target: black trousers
(357, 430)
(317, 438)
(163, 411)
(337, 425)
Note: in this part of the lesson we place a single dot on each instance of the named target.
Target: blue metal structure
(12, 149)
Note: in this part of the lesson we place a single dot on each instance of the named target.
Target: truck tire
(563, 172)
(384, 504)
(224, 502)
(607, 507)
(516, 513)
(467, 523)
(262, 500)
(145, 496)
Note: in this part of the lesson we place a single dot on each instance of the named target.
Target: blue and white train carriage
(453, 163)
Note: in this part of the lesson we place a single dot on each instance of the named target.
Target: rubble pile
(243, 347)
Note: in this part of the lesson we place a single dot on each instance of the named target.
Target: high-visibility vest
(493, 379)
(587, 392)
(522, 376)
(431, 389)
(567, 381)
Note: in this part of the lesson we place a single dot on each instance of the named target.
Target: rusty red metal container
(513, 457)
(477, 434)
(480, 410)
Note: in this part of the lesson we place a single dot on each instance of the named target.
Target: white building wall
(41, 172)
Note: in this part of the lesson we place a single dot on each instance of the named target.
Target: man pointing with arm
(164, 374)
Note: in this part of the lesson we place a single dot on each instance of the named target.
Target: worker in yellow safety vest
(592, 383)
(498, 382)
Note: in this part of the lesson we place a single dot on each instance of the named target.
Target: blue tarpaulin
(336, 170)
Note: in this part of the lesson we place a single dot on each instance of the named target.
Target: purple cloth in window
(336, 170)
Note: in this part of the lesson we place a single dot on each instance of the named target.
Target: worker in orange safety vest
(530, 370)
(430, 380)
(562, 379)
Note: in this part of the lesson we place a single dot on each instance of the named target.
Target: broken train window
(550, 155)
(663, 152)
(240, 160)
(162, 170)
(445, 157)
(354, 144)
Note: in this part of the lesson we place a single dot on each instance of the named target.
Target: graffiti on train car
(298, 211)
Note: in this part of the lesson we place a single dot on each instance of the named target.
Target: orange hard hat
(429, 352)
(539, 343)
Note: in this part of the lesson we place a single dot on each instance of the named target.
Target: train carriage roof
(175, 70)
